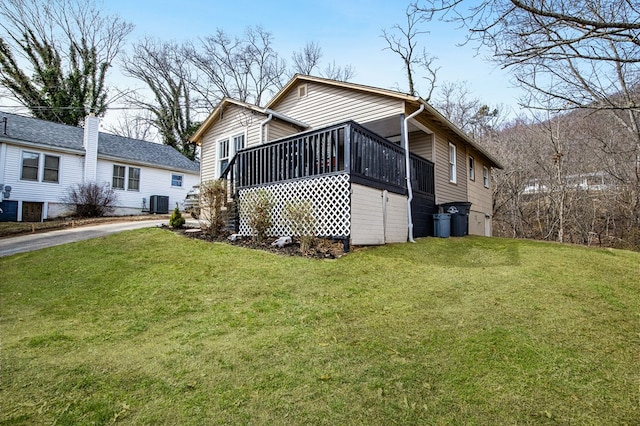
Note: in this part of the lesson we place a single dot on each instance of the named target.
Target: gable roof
(217, 113)
(352, 86)
(55, 136)
(410, 99)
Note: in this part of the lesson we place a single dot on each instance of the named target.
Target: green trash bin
(442, 225)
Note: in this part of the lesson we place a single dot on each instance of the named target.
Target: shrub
(302, 222)
(213, 197)
(176, 220)
(258, 207)
(91, 199)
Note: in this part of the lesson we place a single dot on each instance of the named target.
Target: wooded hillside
(570, 178)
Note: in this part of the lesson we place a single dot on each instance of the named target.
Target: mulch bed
(323, 249)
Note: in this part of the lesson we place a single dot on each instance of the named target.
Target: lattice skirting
(329, 197)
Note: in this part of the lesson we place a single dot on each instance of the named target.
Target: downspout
(262, 124)
(407, 163)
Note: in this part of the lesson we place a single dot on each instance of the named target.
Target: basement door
(31, 212)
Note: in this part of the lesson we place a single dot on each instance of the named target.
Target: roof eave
(431, 110)
(211, 119)
(44, 146)
(122, 160)
(354, 86)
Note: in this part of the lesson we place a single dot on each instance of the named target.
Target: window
(51, 169)
(30, 164)
(31, 170)
(118, 177)
(485, 176)
(223, 155)
(227, 148)
(452, 163)
(238, 143)
(472, 168)
(176, 180)
(134, 179)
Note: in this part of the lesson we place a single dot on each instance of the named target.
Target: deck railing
(422, 175)
(344, 148)
(376, 161)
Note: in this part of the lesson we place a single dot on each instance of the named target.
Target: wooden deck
(349, 148)
(327, 159)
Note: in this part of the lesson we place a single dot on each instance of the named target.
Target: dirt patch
(324, 248)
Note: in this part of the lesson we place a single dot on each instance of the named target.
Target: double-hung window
(227, 148)
(134, 179)
(223, 155)
(472, 168)
(118, 177)
(485, 176)
(452, 163)
(31, 167)
(128, 175)
(238, 143)
(51, 169)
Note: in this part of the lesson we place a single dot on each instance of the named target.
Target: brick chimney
(90, 144)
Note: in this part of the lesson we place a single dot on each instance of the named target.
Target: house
(342, 148)
(41, 160)
(594, 182)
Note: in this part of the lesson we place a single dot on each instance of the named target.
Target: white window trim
(232, 148)
(124, 178)
(42, 157)
(44, 167)
(181, 180)
(127, 168)
(453, 166)
(485, 176)
(472, 168)
(22, 153)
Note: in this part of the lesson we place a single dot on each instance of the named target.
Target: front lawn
(148, 327)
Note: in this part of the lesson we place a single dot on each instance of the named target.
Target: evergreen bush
(176, 220)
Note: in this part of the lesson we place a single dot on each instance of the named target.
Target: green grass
(147, 327)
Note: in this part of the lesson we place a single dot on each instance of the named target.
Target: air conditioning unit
(159, 204)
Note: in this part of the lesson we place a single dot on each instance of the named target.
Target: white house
(41, 160)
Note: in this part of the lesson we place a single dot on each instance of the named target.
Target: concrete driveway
(25, 243)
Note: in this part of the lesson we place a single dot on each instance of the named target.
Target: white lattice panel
(328, 195)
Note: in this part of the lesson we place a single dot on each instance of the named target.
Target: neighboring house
(340, 147)
(593, 182)
(41, 160)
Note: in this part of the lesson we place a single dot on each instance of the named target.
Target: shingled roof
(46, 134)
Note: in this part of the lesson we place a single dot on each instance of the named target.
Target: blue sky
(348, 31)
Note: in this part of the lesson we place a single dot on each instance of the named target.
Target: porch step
(233, 218)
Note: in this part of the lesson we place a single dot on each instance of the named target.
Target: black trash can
(459, 212)
(442, 225)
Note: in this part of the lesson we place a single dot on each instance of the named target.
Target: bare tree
(54, 56)
(166, 73)
(307, 59)
(567, 54)
(247, 68)
(135, 126)
(337, 72)
(456, 102)
(404, 42)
